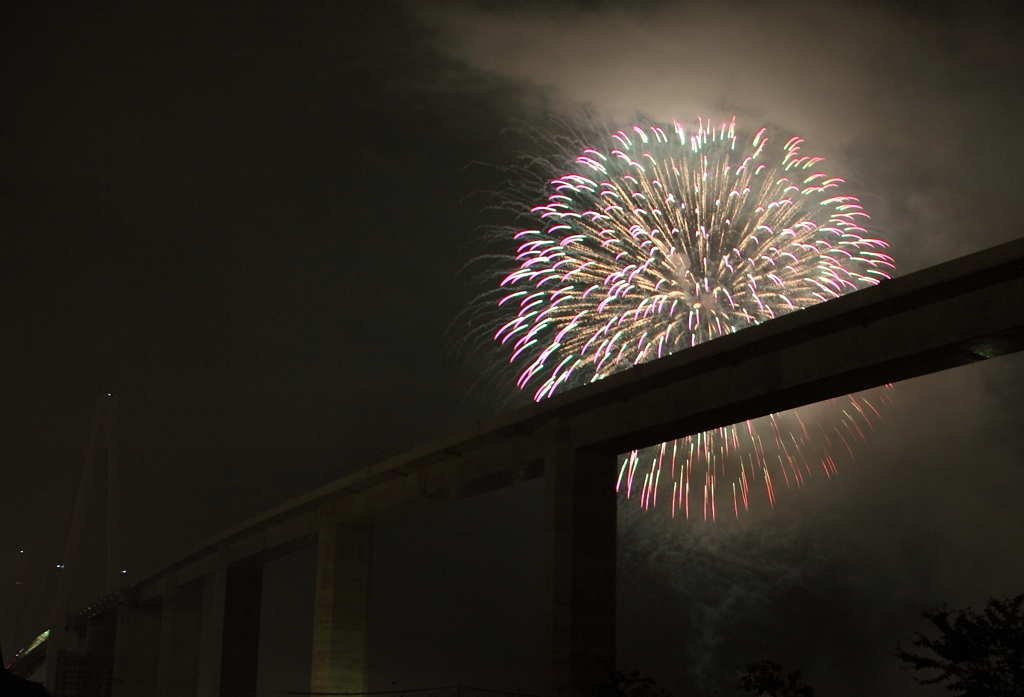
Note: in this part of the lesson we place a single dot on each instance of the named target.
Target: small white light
(60, 566)
(124, 571)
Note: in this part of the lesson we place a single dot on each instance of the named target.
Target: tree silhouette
(631, 684)
(765, 678)
(976, 654)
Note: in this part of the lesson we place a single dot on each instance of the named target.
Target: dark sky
(248, 220)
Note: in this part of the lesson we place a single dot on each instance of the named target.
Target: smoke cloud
(906, 102)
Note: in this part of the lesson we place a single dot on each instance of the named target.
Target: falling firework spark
(664, 240)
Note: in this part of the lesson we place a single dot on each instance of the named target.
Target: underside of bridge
(190, 628)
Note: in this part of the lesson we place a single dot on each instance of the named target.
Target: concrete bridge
(193, 627)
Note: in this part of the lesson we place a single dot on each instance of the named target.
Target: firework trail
(663, 240)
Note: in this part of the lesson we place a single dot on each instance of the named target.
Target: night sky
(250, 221)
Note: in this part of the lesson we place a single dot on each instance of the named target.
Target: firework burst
(666, 239)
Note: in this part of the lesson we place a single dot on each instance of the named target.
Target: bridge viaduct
(193, 627)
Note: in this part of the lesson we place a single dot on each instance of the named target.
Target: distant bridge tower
(76, 657)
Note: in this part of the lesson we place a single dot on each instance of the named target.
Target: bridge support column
(240, 646)
(136, 651)
(579, 569)
(211, 628)
(179, 642)
(229, 639)
(339, 620)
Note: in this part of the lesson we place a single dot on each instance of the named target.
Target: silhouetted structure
(192, 628)
(80, 649)
(13, 685)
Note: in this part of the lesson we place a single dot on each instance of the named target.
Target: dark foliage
(632, 685)
(619, 683)
(977, 654)
(766, 678)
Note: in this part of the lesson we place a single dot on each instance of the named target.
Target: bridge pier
(578, 648)
(243, 597)
(211, 638)
(177, 666)
(340, 606)
(230, 631)
(202, 642)
(136, 651)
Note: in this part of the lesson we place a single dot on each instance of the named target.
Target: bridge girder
(960, 312)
